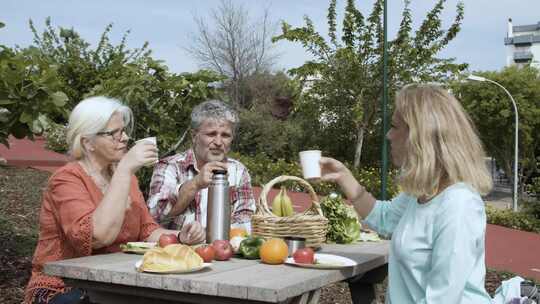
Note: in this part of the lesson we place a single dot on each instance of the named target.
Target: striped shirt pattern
(169, 175)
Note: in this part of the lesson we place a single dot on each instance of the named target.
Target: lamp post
(384, 106)
(516, 150)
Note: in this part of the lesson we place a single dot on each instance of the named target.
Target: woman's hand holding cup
(143, 153)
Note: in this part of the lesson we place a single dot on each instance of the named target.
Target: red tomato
(207, 253)
(304, 256)
(167, 239)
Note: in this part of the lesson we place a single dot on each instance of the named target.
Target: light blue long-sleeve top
(437, 252)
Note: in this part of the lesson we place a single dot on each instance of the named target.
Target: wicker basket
(310, 224)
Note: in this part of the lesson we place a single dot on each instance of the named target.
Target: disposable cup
(310, 163)
(153, 141)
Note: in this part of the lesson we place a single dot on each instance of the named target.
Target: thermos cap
(219, 171)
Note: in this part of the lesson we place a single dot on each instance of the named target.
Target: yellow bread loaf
(174, 257)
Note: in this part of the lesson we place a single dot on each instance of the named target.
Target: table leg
(362, 287)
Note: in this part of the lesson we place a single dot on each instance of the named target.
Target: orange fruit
(237, 232)
(274, 251)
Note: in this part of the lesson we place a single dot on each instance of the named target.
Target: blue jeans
(74, 296)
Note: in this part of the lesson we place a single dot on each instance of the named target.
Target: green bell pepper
(249, 247)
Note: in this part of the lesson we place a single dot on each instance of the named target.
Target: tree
(344, 80)
(81, 67)
(235, 47)
(30, 93)
(267, 126)
(493, 114)
(34, 78)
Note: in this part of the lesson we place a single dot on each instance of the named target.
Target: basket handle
(263, 201)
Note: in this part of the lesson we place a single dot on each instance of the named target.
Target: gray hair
(213, 109)
(91, 116)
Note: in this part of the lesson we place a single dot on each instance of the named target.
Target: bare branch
(233, 46)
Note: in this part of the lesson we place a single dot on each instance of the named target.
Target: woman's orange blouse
(65, 223)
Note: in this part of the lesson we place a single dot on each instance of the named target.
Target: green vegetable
(137, 246)
(249, 247)
(343, 222)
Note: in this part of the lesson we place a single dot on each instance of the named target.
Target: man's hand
(189, 189)
(192, 233)
(203, 179)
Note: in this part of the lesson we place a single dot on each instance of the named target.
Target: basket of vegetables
(310, 224)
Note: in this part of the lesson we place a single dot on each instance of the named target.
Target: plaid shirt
(169, 175)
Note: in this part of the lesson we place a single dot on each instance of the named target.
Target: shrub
(55, 137)
(30, 93)
(514, 220)
(531, 207)
(259, 132)
(534, 187)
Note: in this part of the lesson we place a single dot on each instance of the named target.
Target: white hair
(213, 109)
(91, 116)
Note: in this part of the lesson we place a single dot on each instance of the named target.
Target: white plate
(204, 265)
(325, 261)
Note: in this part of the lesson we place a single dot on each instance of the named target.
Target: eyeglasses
(115, 134)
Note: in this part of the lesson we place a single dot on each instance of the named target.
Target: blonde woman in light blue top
(438, 223)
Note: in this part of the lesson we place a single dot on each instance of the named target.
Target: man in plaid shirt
(179, 186)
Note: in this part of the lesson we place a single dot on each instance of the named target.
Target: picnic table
(112, 278)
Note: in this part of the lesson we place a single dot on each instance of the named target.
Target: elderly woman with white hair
(93, 204)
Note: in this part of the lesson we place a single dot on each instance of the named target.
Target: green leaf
(7, 101)
(59, 98)
(26, 117)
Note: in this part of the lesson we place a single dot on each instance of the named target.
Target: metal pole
(384, 169)
(516, 148)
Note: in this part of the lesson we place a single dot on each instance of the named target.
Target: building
(523, 44)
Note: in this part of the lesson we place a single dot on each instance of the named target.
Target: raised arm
(334, 171)
(381, 216)
(108, 218)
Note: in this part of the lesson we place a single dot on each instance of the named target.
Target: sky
(168, 25)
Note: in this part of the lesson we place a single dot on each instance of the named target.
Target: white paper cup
(310, 163)
(153, 141)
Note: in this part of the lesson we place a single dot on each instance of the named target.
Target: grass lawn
(20, 201)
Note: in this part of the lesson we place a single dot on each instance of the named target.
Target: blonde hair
(91, 116)
(443, 146)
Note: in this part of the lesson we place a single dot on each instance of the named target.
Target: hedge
(510, 219)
